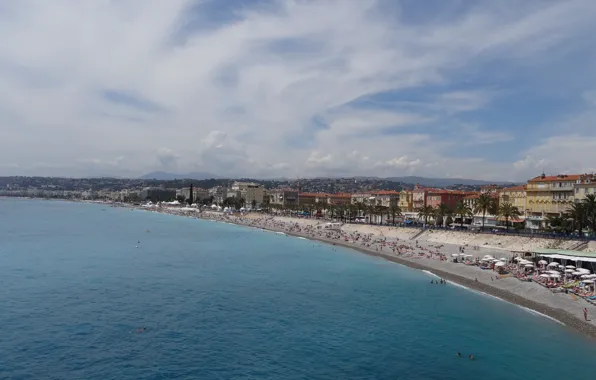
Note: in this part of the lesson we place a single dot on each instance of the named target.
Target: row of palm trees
(347, 212)
(485, 204)
(581, 215)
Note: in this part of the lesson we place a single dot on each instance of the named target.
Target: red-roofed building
(434, 198)
(549, 196)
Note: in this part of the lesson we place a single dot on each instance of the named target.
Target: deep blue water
(226, 302)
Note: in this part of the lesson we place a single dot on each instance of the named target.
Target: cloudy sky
(447, 88)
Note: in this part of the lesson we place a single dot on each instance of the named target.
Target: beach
(409, 247)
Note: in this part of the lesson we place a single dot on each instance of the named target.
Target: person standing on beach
(586, 314)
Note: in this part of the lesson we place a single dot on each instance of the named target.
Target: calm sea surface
(227, 302)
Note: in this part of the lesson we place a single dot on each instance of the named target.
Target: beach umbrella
(576, 273)
(542, 262)
(553, 264)
(503, 259)
(569, 271)
(499, 264)
(545, 276)
(454, 254)
(529, 266)
(588, 281)
(570, 267)
(555, 275)
(552, 272)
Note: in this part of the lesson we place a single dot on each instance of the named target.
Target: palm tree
(577, 213)
(441, 212)
(484, 204)
(463, 210)
(381, 210)
(425, 212)
(590, 207)
(371, 210)
(394, 210)
(508, 211)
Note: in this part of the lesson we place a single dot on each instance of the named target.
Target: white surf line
(280, 233)
(531, 311)
(303, 238)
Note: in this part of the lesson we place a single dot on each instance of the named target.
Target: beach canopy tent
(563, 254)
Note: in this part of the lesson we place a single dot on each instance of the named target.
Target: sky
(494, 90)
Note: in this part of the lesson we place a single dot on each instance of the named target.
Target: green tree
(508, 211)
(382, 210)
(589, 204)
(484, 204)
(425, 212)
(463, 211)
(394, 211)
(441, 212)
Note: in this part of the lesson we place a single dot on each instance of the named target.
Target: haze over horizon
(297, 88)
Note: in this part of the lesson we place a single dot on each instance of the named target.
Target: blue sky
(298, 88)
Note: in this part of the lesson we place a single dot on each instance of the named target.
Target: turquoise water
(226, 302)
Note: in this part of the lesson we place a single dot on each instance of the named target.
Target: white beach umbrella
(503, 259)
(454, 254)
(529, 266)
(555, 275)
(588, 281)
(552, 272)
(570, 267)
(569, 271)
(488, 257)
(587, 271)
(499, 264)
(545, 275)
(553, 264)
(576, 273)
(542, 262)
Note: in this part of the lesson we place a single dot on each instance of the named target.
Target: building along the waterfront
(586, 184)
(548, 196)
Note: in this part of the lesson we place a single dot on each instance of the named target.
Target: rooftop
(554, 178)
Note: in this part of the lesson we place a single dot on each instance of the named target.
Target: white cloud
(239, 97)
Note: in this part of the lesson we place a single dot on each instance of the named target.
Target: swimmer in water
(142, 329)
(459, 354)
(471, 357)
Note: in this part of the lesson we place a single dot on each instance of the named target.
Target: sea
(79, 282)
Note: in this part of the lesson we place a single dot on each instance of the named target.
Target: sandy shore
(395, 245)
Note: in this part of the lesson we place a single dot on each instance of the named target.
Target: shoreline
(557, 315)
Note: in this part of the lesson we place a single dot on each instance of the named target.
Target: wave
(430, 273)
(303, 238)
(280, 233)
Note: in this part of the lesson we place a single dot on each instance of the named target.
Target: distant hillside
(444, 182)
(164, 176)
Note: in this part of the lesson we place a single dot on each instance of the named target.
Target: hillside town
(561, 203)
